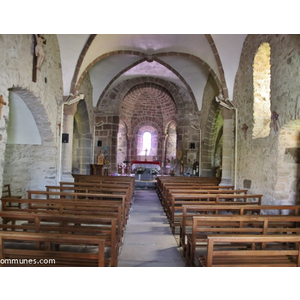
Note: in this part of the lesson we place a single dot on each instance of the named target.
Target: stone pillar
(164, 138)
(228, 151)
(67, 148)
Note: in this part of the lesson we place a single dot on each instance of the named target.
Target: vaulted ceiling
(183, 59)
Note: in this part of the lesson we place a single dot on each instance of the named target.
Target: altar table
(145, 164)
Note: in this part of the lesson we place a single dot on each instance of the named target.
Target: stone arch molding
(78, 78)
(39, 113)
(122, 89)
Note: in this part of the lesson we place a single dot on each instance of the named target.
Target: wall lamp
(197, 128)
(74, 98)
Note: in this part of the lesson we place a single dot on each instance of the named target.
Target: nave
(148, 240)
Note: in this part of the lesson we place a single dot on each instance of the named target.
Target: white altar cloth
(146, 164)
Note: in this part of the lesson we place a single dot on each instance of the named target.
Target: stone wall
(258, 159)
(31, 166)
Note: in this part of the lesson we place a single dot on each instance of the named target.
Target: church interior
(150, 108)
(228, 101)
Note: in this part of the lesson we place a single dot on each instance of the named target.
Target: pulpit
(101, 170)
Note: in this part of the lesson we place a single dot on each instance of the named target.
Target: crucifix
(2, 102)
(38, 55)
(146, 150)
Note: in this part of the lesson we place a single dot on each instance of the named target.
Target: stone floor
(148, 240)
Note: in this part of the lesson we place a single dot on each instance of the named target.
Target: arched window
(146, 143)
(262, 91)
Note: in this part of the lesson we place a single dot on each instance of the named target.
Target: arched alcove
(31, 153)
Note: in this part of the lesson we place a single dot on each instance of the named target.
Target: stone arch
(30, 165)
(38, 111)
(146, 104)
(144, 57)
(115, 97)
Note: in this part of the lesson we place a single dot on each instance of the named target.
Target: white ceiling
(192, 70)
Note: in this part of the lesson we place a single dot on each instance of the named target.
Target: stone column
(228, 149)
(67, 148)
(164, 138)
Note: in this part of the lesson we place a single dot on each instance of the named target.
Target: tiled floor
(148, 240)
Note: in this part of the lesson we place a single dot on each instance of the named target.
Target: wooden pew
(63, 206)
(110, 189)
(95, 184)
(106, 228)
(259, 256)
(105, 179)
(188, 191)
(174, 209)
(110, 198)
(182, 181)
(6, 194)
(15, 252)
(206, 225)
(189, 211)
(163, 185)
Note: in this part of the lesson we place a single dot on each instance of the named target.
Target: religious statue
(39, 52)
(106, 161)
(181, 168)
(2, 102)
(172, 163)
(100, 158)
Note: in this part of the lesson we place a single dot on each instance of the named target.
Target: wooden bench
(104, 179)
(19, 249)
(174, 209)
(173, 191)
(206, 225)
(63, 206)
(111, 189)
(162, 181)
(109, 198)
(106, 228)
(6, 194)
(259, 256)
(189, 211)
(162, 187)
(94, 184)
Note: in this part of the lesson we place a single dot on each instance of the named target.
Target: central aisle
(148, 240)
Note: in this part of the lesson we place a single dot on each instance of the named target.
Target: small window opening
(262, 91)
(146, 143)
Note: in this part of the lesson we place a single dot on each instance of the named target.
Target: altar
(145, 164)
(148, 166)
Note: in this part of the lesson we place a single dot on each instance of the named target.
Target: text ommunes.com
(26, 261)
